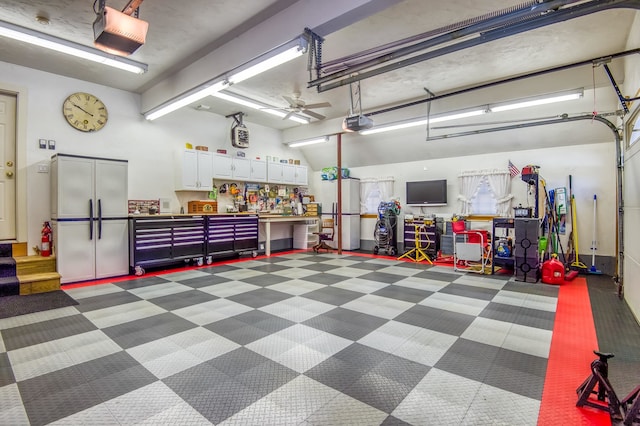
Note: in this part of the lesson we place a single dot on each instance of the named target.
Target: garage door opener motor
(239, 132)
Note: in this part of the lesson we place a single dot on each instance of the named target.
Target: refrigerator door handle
(91, 219)
(99, 219)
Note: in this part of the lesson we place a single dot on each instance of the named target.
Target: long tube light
(262, 63)
(267, 64)
(188, 98)
(241, 100)
(422, 121)
(538, 100)
(47, 41)
(308, 142)
(499, 107)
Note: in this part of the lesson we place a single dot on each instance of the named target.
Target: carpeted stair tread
(7, 267)
(5, 250)
(9, 286)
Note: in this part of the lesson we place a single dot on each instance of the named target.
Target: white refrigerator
(350, 210)
(89, 210)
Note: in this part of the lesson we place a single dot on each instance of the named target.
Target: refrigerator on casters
(89, 210)
(350, 210)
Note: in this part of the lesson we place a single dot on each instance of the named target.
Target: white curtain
(469, 182)
(374, 190)
(500, 183)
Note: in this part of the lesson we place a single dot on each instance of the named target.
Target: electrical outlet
(261, 246)
(43, 168)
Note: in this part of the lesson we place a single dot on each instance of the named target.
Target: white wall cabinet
(239, 168)
(281, 173)
(196, 171)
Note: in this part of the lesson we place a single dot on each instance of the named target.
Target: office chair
(326, 234)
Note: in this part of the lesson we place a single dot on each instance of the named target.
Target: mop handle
(593, 241)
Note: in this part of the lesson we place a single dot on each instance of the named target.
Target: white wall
(631, 275)
(592, 168)
(150, 147)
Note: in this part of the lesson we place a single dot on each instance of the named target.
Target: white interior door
(7, 167)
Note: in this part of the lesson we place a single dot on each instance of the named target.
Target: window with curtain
(373, 191)
(485, 192)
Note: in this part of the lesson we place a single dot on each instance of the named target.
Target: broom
(593, 270)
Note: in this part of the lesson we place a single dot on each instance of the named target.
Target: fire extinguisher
(45, 249)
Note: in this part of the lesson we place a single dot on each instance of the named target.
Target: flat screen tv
(427, 193)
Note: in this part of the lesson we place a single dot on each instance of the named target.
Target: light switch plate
(42, 143)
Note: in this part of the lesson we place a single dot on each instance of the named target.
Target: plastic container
(553, 271)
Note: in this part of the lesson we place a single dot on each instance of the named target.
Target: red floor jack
(625, 412)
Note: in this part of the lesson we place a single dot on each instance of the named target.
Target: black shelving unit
(428, 236)
(503, 225)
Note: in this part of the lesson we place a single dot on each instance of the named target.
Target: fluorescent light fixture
(36, 38)
(308, 142)
(499, 107)
(250, 103)
(185, 99)
(266, 64)
(423, 121)
(539, 100)
(271, 59)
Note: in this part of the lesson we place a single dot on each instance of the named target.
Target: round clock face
(85, 112)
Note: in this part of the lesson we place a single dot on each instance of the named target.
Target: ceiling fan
(297, 105)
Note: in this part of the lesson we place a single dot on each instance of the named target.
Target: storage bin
(202, 206)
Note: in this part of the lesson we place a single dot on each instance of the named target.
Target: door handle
(9, 163)
(99, 219)
(91, 219)
(9, 174)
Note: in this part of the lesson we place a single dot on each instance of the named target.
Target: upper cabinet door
(274, 172)
(188, 175)
(205, 170)
(241, 168)
(112, 188)
(258, 170)
(75, 186)
(222, 166)
(301, 175)
(288, 173)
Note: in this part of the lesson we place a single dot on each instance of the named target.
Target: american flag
(513, 170)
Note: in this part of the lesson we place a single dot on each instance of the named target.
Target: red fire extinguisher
(45, 248)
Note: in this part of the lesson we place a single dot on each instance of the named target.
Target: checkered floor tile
(300, 338)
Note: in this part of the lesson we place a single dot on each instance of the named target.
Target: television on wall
(427, 193)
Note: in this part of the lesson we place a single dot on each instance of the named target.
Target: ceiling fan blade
(318, 105)
(289, 114)
(313, 114)
(292, 102)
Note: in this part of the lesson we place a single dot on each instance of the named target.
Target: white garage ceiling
(184, 37)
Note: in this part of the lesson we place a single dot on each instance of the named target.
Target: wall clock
(85, 112)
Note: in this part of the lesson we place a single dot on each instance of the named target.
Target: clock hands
(81, 109)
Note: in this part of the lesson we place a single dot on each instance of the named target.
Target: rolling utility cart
(386, 233)
(420, 240)
(502, 251)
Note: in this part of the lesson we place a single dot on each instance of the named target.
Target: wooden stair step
(39, 282)
(26, 265)
(19, 249)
